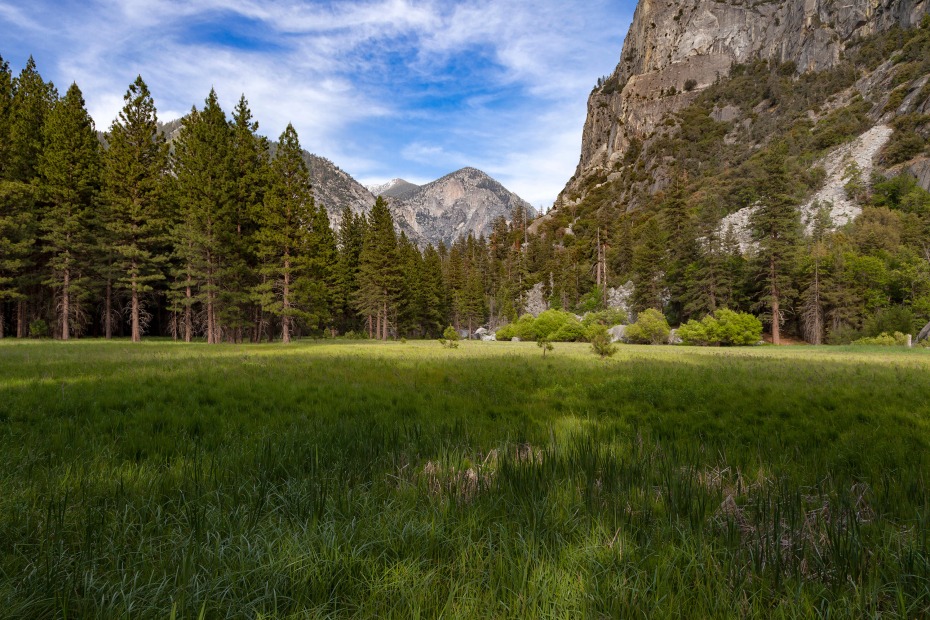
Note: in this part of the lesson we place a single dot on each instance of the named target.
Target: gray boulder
(673, 337)
(924, 333)
(617, 333)
(489, 338)
(514, 339)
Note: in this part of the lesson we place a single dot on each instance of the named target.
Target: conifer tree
(379, 275)
(136, 219)
(6, 105)
(434, 312)
(31, 100)
(206, 181)
(350, 240)
(283, 238)
(776, 228)
(70, 169)
(649, 257)
(252, 173)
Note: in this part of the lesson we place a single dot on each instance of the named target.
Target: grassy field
(408, 480)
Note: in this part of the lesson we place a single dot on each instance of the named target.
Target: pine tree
(314, 290)
(252, 173)
(649, 256)
(31, 101)
(283, 238)
(379, 275)
(776, 228)
(813, 320)
(206, 181)
(16, 200)
(434, 312)
(6, 108)
(351, 238)
(70, 169)
(136, 221)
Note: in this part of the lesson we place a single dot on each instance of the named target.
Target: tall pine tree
(206, 180)
(284, 235)
(379, 271)
(133, 173)
(70, 169)
(776, 224)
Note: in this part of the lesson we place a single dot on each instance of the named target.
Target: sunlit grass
(403, 480)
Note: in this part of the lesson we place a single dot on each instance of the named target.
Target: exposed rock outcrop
(464, 202)
(675, 49)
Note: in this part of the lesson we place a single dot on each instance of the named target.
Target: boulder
(489, 338)
(514, 339)
(924, 333)
(673, 337)
(480, 333)
(617, 333)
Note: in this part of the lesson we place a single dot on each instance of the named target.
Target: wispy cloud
(385, 88)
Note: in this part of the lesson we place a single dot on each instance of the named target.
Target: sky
(414, 89)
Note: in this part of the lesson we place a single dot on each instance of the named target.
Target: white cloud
(356, 76)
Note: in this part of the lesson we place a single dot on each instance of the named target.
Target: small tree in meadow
(601, 342)
(545, 345)
(450, 338)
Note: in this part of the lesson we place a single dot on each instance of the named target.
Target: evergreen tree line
(218, 237)
(210, 237)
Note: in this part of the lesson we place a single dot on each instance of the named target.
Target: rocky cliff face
(334, 188)
(464, 202)
(676, 49)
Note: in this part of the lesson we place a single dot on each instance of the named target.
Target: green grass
(408, 480)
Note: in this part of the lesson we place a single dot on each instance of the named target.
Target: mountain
(463, 202)
(395, 188)
(674, 51)
(335, 188)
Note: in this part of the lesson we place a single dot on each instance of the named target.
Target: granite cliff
(675, 50)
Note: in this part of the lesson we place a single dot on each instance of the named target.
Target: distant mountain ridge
(464, 202)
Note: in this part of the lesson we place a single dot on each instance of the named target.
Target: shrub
(450, 338)
(38, 329)
(650, 328)
(572, 331)
(608, 318)
(552, 325)
(601, 343)
(889, 321)
(724, 327)
(690, 85)
(884, 340)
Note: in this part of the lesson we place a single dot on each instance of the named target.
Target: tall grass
(407, 480)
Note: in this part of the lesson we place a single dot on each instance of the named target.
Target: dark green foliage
(291, 243)
(379, 276)
(723, 327)
(651, 327)
(70, 171)
(134, 192)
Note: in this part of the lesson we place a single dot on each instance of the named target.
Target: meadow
(355, 479)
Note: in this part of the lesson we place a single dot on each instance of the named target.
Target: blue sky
(384, 88)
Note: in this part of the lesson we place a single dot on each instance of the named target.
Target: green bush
(552, 325)
(450, 338)
(724, 327)
(650, 328)
(890, 320)
(38, 329)
(608, 318)
(884, 340)
(572, 331)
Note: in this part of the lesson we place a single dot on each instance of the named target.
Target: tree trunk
(136, 330)
(108, 311)
(776, 320)
(65, 309)
(188, 313)
(776, 308)
(370, 331)
(1, 320)
(21, 319)
(285, 318)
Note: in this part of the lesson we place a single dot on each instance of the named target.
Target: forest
(216, 236)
